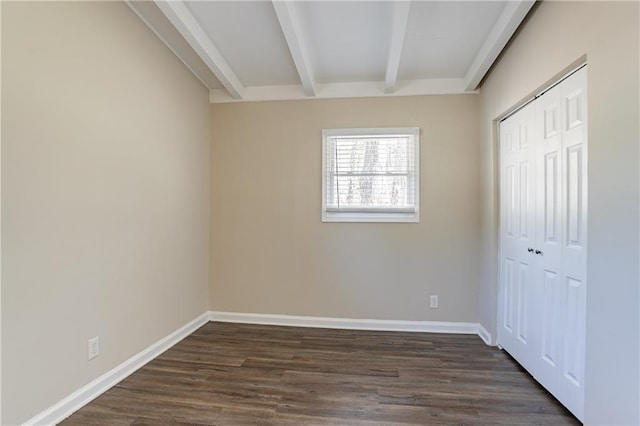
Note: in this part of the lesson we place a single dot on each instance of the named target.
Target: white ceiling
(262, 50)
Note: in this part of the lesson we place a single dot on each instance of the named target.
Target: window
(370, 175)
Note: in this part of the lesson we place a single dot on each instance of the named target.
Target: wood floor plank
(240, 374)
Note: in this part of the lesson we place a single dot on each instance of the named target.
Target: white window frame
(371, 214)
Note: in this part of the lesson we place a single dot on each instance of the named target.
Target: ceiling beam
(180, 16)
(507, 24)
(356, 89)
(398, 30)
(297, 46)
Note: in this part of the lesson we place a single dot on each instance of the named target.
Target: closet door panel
(571, 380)
(517, 172)
(549, 239)
(574, 239)
(549, 164)
(548, 351)
(574, 136)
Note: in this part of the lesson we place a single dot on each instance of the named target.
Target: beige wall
(105, 196)
(557, 34)
(272, 254)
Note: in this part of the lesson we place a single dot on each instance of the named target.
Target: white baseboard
(348, 323)
(485, 335)
(67, 406)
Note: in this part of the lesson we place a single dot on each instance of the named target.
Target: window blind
(371, 173)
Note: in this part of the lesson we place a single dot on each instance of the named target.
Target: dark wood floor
(233, 374)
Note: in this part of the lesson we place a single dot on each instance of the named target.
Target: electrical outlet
(433, 301)
(93, 347)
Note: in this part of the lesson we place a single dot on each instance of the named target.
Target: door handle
(538, 252)
(530, 250)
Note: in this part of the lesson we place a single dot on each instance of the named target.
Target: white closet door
(561, 239)
(543, 230)
(574, 253)
(548, 243)
(517, 234)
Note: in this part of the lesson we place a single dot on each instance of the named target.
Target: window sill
(365, 217)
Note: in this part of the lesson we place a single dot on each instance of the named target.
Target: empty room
(320, 212)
